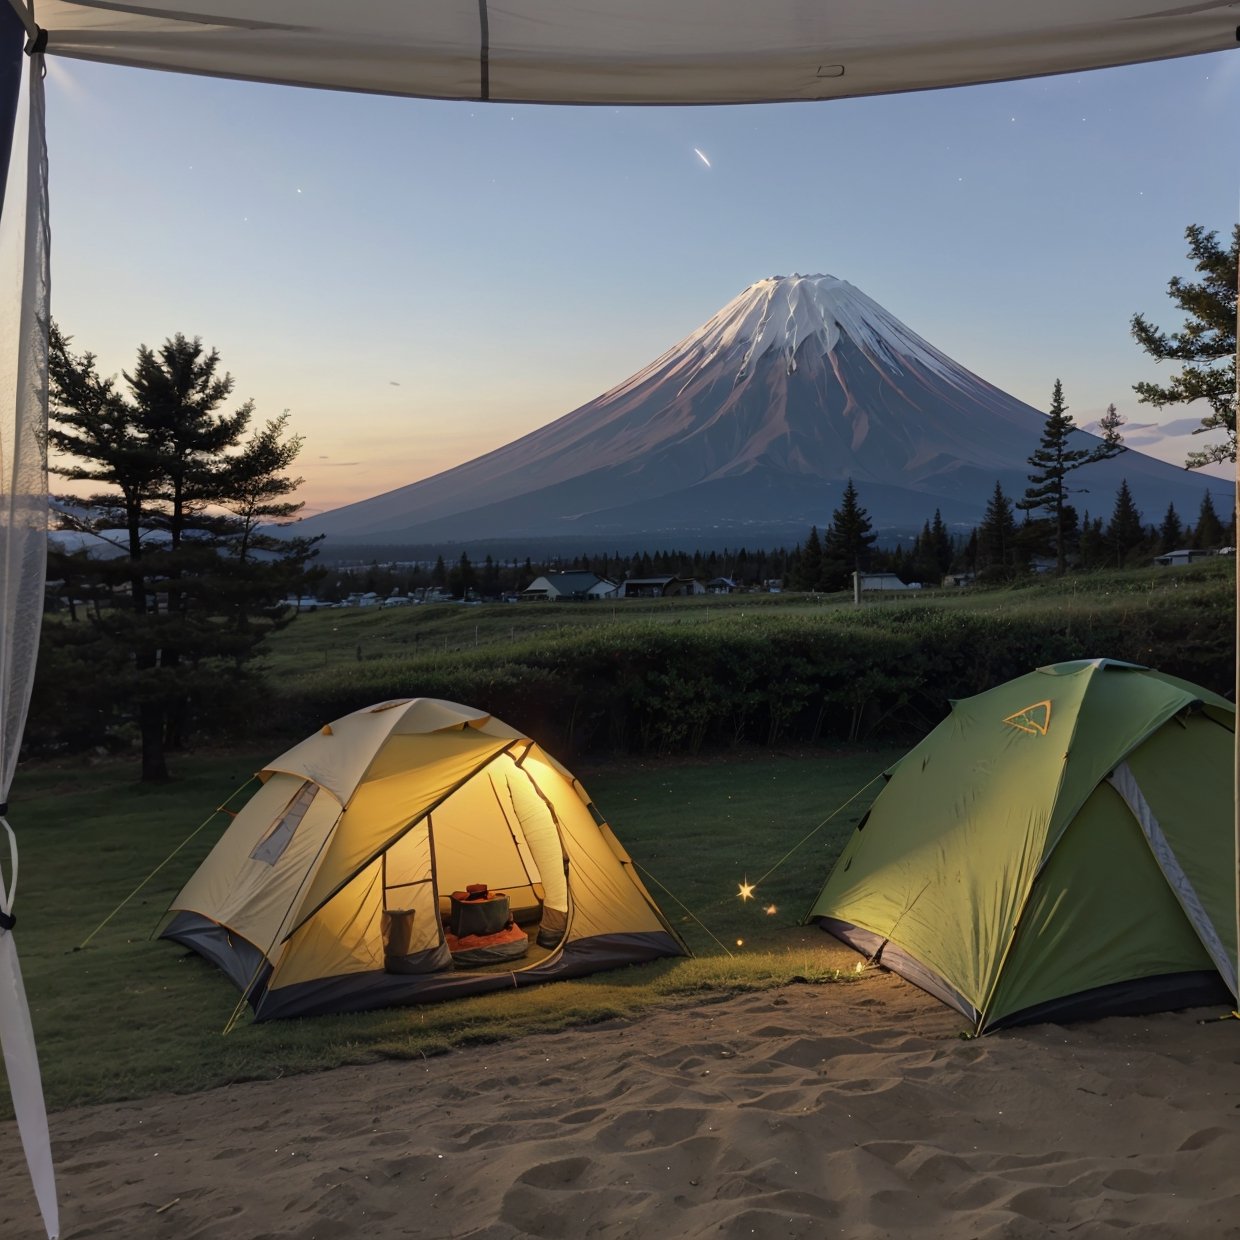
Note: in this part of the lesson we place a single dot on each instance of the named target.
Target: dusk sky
(420, 282)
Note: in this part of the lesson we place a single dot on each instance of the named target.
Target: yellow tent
(411, 851)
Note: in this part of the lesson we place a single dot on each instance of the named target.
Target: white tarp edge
(23, 558)
(21, 1063)
(632, 51)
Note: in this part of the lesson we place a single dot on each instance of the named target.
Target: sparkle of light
(771, 910)
(701, 157)
(745, 890)
(740, 942)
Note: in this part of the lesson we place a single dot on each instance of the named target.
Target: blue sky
(419, 282)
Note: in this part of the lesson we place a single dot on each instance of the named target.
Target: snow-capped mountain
(748, 429)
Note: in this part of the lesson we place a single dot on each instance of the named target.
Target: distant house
(881, 581)
(721, 585)
(660, 587)
(564, 587)
(1186, 556)
(959, 579)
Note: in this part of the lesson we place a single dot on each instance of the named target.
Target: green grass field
(340, 636)
(129, 1015)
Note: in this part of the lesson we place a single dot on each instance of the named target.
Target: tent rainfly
(1059, 847)
(413, 851)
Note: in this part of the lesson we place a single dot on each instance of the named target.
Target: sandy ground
(849, 1111)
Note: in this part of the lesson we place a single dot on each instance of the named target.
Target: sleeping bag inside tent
(415, 850)
(1058, 848)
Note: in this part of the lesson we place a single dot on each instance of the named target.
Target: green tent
(1059, 847)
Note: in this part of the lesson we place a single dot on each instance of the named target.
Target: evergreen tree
(921, 563)
(941, 545)
(1124, 532)
(996, 536)
(1208, 532)
(1048, 491)
(461, 579)
(439, 574)
(1094, 550)
(846, 548)
(1206, 344)
(1171, 532)
(1109, 425)
(490, 578)
(809, 573)
(256, 492)
(182, 491)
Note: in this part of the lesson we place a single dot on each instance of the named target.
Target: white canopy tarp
(550, 51)
(632, 51)
(23, 560)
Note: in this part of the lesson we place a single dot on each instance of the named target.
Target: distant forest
(1006, 545)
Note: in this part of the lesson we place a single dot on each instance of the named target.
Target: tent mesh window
(271, 847)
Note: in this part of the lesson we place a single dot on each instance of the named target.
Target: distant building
(1186, 556)
(881, 581)
(721, 585)
(660, 587)
(564, 587)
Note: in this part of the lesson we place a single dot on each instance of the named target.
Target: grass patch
(129, 1015)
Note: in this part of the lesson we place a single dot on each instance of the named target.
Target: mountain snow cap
(782, 313)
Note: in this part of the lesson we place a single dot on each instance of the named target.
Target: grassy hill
(677, 675)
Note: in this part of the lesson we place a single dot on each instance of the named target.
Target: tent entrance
(496, 834)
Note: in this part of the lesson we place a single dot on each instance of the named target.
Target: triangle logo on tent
(1035, 719)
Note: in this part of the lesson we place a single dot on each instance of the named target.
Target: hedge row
(883, 674)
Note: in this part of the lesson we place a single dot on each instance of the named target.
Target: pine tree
(1093, 550)
(182, 495)
(461, 578)
(1052, 461)
(1171, 532)
(490, 578)
(1206, 344)
(1208, 532)
(996, 535)
(941, 545)
(1109, 425)
(921, 563)
(846, 548)
(1124, 532)
(809, 574)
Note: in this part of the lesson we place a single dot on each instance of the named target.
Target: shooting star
(701, 157)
